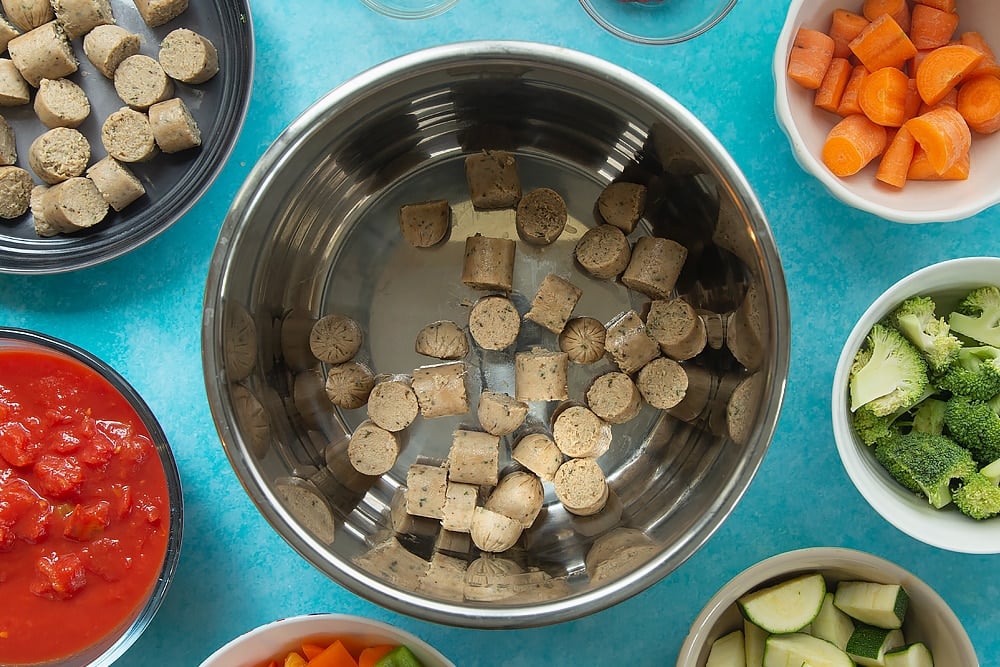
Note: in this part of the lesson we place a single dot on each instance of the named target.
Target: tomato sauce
(84, 508)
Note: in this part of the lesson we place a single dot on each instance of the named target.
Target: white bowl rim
(810, 558)
(306, 624)
(834, 185)
(916, 518)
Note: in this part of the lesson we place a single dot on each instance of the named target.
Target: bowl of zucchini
(829, 607)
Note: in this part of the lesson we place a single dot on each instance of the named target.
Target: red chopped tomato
(87, 522)
(106, 558)
(59, 476)
(59, 577)
(16, 445)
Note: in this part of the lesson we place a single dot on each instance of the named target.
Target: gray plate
(173, 182)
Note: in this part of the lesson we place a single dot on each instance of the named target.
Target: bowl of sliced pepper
(657, 21)
(322, 640)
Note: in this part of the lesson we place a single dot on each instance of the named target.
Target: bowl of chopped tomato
(90, 506)
(327, 640)
(894, 105)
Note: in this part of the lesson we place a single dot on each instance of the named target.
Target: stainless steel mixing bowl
(314, 231)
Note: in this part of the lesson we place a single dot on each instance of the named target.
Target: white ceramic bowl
(946, 282)
(807, 127)
(269, 641)
(928, 619)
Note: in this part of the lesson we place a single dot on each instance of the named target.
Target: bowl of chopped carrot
(327, 640)
(894, 105)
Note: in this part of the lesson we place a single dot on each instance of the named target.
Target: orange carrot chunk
(896, 159)
(944, 134)
(978, 101)
(373, 654)
(849, 100)
(831, 90)
(899, 10)
(853, 143)
(810, 57)
(943, 69)
(943, 5)
(949, 100)
(845, 26)
(310, 651)
(921, 169)
(988, 65)
(913, 101)
(931, 28)
(883, 96)
(882, 44)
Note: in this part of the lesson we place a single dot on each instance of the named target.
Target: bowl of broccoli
(916, 405)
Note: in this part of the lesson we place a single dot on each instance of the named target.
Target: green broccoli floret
(929, 416)
(925, 463)
(870, 427)
(978, 316)
(976, 373)
(915, 319)
(975, 425)
(888, 373)
(992, 471)
(978, 497)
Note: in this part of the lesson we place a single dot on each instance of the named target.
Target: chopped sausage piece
(157, 12)
(493, 180)
(519, 496)
(494, 322)
(59, 154)
(582, 339)
(493, 532)
(71, 205)
(61, 103)
(188, 56)
(442, 340)
(742, 408)
(622, 204)
(348, 385)
(614, 398)
(453, 541)
(426, 490)
(15, 192)
(445, 577)
(581, 487)
(745, 329)
(603, 252)
(42, 226)
(662, 383)
(629, 344)
(140, 82)
(655, 266)
(78, 17)
(488, 263)
(392, 403)
(404, 523)
(7, 33)
(14, 90)
(28, 14)
(538, 453)
(500, 414)
(335, 338)
(701, 386)
(174, 128)
(459, 504)
(578, 432)
(425, 224)
(372, 450)
(392, 562)
(8, 143)
(677, 328)
(540, 375)
(106, 46)
(43, 53)
(554, 303)
(309, 507)
(127, 136)
(116, 182)
(474, 458)
(440, 390)
(541, 216)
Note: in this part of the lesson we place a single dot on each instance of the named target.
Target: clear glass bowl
(657, 21)
(410, 9)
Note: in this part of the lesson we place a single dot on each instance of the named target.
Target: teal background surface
(142, 314)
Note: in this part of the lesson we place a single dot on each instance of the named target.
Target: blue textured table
(142, 314)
